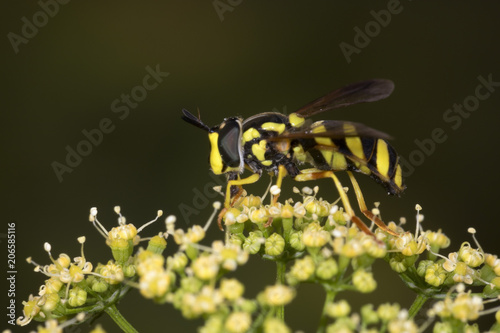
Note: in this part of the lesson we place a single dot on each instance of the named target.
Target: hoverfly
(279, 145)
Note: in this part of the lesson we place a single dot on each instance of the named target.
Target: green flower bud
(373, 248)
(100, 286)
(129, 270)
(369, 315)
(238, 322)
(435, 275)
(443, 327)
(315, 236)
(51, 302)
(177, 262)
(157, 244)
(277, 295)
(339, 217)
(422, 267)
(303, 269)
(274, 325)
(237, 228)
(437, 240)
(364, 281)
(274, 245)
(214, 324)
(253, 243)
(231, 289)
(296, 241)
(192, 252)
(474, 328)
(327, 269)
(247, 305)
(77, 297)
(121, 249)
(191, 284)
(398, 264)
(338, 309)
(236, 239)
(344, 325)
(206, 267)
(388, 312)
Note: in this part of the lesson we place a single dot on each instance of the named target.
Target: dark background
(257, 57)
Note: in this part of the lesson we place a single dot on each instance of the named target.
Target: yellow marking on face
(275, 127)
(215, 158)
(296, 120)
(383, 158)
(250, 134)
(259, 150)
(355, 146)
(266, 162)
(398, 178)
(322, 141)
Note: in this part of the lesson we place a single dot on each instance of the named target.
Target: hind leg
(364, 209)
(312, 174)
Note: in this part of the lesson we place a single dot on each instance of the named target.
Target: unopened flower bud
(364, 281)
(274, 245)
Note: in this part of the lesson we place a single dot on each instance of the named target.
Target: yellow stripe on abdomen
(383, 158)
(321, 141)
(355, 146)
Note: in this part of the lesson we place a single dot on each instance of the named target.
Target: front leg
(227, 201)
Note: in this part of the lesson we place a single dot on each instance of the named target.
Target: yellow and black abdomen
(369, 155)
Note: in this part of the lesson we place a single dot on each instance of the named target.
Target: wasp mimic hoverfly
(279, 144)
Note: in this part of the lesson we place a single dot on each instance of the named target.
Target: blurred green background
(250, 57)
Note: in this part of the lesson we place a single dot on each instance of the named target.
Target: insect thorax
(260, 152)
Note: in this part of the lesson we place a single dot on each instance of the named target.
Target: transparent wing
(360, 92)
(334, 129)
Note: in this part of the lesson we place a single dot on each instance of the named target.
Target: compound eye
(229, 142)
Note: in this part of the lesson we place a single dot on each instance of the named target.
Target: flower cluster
(319, 244)
(310, 240)
(76, 286)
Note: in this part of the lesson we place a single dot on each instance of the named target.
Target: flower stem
(330, 296)
(118, 318)
(280, 279)
(417, 304)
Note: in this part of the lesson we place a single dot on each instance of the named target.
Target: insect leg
(281, 174)
(364, 209)
(227, 201)
(312, 174)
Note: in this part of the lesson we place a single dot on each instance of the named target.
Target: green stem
(323, 322)
(280, 279)
(113, 312)
(417, 304)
